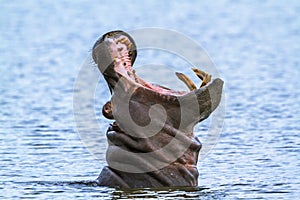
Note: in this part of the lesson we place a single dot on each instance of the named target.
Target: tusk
(186, 80)
(205, 77)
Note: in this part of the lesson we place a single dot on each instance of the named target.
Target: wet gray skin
(151, 141)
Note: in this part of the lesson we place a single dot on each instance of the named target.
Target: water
(254, 44)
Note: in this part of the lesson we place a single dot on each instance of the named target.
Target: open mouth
(115, 61)
(114, 53)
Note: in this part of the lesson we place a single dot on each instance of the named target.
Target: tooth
(129, 45)
(206, 80)
(123, 40)
(186, 80)
(205, 77)
(199, 73)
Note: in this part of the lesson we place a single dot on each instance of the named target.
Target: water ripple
(255, 46)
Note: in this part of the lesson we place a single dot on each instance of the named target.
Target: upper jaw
(115, 53)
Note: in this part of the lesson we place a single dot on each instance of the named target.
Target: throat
(123, 67)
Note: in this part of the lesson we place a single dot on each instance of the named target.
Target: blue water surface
(254, 44)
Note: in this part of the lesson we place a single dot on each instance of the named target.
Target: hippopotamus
(151, 143)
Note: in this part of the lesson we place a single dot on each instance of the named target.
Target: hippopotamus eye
(124, 63)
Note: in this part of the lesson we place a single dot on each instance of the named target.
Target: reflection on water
(254, 46)
(87, 189)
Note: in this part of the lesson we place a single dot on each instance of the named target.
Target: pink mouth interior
(122, 66)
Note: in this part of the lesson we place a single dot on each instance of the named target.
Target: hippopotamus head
(151, 141)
